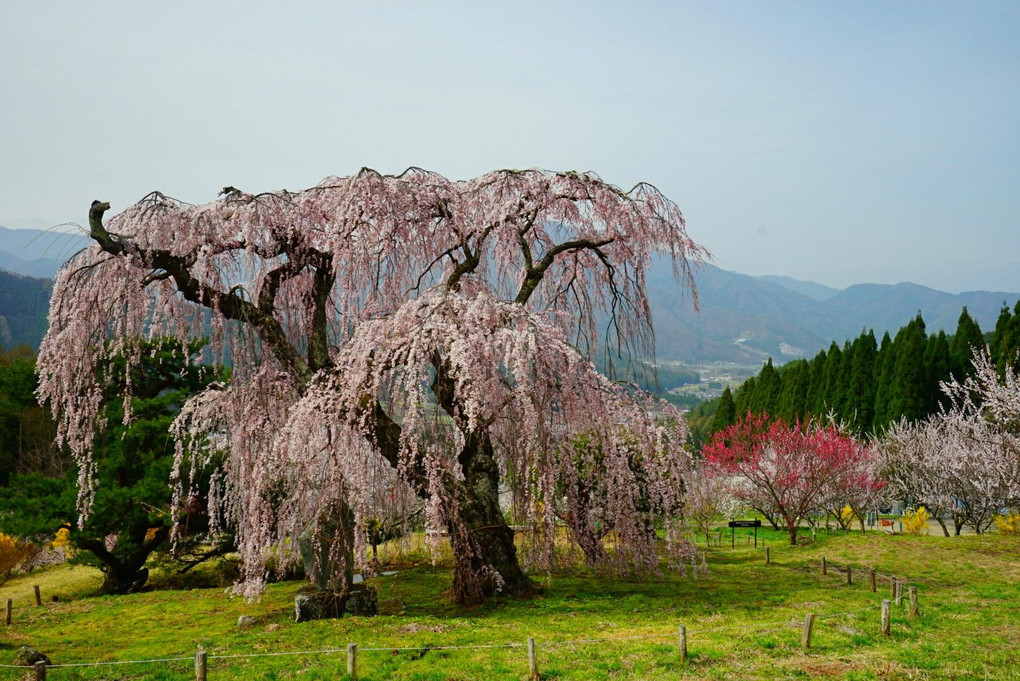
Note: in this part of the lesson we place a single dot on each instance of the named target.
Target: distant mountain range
(37, 253)
(742, 319)
(746, 319)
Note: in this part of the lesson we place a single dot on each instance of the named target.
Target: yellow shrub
(915, 521)
(62, 540)
(846, 516)
(1008, 524)
(13, 553)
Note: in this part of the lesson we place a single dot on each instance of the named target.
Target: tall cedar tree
(967, 339)
(725, 412)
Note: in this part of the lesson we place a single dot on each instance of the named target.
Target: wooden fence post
(885, 617)
(892, 587)
(849, 575)
(682, 634)
(768, 558)
(809, 623)
(899, 593)
(201, 665)
(10, 609)
(914, 612)
(38, 596)
(823, 566)
(352, 660)
(40, 671)
(871, 576)
(532, 660)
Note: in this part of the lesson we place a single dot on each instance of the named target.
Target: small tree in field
(710, 495)
(394, 336)
(790, 468)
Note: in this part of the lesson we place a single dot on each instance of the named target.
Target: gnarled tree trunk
(482, 541)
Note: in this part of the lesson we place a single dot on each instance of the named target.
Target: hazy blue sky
(838, 142)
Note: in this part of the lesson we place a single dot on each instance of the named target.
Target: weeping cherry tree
(396, 341)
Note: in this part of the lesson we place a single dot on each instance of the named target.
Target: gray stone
(27, 657)
(246, 621)
(360, 600)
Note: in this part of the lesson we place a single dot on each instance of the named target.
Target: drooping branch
(230, 306)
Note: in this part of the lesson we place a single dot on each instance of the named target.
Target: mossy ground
(743, 621)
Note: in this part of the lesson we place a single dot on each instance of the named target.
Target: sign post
(744, 523)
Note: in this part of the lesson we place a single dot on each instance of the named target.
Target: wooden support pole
(892, 587)
(768, 558)
(10, 609)
(682, 635)
(201, 665)
(849, 575)
(352, 660)
(823, 566)
(899, 593)
(809, 623)
(532, 660)
(38, 596)
(40, 671)
(871, 576)
(886, 614)
(914, 611)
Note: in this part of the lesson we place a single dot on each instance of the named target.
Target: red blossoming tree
(794, 470)
(395, 340)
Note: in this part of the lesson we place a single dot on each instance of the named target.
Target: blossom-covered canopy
(393, 337)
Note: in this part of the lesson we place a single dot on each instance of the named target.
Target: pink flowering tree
(397, 342)
(790, 469)
(857, 484)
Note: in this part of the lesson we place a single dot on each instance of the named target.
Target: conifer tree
(767, 390)
(725, 413)
(998, 345)
(816, 382)
(908, 396)
(967, 339)
(827, 400)
(744, 396)
(884, 363)
(938, 363)
(793, 396)
(859, 407)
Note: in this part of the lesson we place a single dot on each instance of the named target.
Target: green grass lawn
(743, 621)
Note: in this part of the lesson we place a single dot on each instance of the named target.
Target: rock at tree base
(27, 657)
(360, 600)
(246, 621)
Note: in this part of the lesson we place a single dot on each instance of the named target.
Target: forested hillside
(867, 383)
(23, 305)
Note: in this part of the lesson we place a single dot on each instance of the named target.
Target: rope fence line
(699, 630)
(202, 657)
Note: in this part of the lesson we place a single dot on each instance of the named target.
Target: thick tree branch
(269, 328)
(533, 275)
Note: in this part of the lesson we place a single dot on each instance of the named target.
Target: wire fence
(677, 636)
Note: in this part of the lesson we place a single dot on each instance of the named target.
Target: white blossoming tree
(964, 462)
(395, 338)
